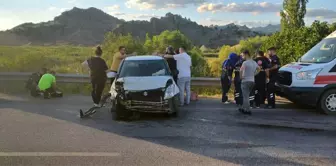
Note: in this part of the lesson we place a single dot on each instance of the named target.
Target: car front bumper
(302, 95)
(146, 106)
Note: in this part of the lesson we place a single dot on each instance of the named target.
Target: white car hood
(298, 67)
(144, 83)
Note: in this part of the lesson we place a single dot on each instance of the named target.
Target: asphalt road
(49, 132)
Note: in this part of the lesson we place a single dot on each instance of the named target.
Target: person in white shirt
(183, 63)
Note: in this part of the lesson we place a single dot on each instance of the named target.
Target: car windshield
(143, 68)
(323, 52)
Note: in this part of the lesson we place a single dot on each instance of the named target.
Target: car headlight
(308, 75)
(169, 93)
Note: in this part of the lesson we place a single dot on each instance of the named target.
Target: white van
(312, 80)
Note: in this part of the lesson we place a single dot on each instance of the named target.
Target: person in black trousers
(172, 63)
(273, 76)
(260, 79)
(226, 76)
(98, 69)
(238, 96)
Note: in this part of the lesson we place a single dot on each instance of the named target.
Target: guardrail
(79, 78)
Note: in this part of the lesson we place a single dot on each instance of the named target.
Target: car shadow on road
(180, 133)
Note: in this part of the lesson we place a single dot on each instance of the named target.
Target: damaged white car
(144, 84)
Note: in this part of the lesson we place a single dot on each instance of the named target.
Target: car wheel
(328, 102)
(118, 111)
(174, 106)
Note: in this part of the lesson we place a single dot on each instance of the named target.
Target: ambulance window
(323, 52)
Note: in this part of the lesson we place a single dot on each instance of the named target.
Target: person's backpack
(193, 96)
(33, 80)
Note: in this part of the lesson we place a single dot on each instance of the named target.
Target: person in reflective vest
(273, 75)
(226, 76)
(238, 97)
(260, 78)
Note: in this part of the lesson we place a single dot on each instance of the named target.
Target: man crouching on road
(47, 84)
(183, 63)
(248, 71)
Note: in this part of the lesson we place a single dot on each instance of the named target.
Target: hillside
(77, 26)
(200, 35)
(11, 39)
(88, 26)
(269, 29)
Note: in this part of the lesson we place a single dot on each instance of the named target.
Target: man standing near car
(117, 58)
(183, 62)
(273, 74)
(172, 63)
(248, 71)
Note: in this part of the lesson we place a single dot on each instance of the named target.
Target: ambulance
(312, 80)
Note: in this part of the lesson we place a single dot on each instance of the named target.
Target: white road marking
(55, 154)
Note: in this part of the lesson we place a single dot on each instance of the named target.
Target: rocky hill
(200, 35)
(77, 26)
(269, 29)
(88, 26)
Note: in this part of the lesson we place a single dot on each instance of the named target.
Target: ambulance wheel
(328, 102)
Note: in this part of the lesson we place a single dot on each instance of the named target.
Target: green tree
(293, 43)
(253, 44)
(225, 51)
(293, 14)
(200, 67)
(148, 46)
(174, 38)
(112, 42)
(333, 27)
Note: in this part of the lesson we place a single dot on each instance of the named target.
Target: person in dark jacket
(172, 63)
(226, 76)
(260, 79)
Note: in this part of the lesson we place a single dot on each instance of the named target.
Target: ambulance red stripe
(325, 79)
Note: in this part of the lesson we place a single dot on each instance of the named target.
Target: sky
(206, 12)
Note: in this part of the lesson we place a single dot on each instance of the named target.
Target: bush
(112, 42)
(200, 66)
(293, 43)
(160, 42)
